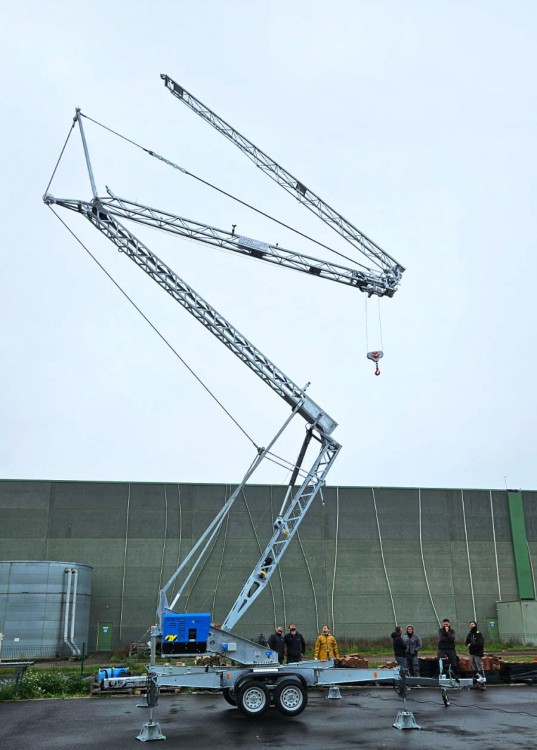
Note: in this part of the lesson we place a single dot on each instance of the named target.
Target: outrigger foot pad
(151, 731)
(406, 720)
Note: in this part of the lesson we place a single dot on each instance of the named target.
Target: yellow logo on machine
(170, 638)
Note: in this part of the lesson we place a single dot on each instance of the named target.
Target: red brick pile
(355, 661)
(489, 663)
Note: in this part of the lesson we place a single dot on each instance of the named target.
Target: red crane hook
(375, 356)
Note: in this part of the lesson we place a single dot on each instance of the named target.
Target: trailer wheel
(229, 696)
(290, 697)
(253, 698)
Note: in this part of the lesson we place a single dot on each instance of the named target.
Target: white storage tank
(44, 608)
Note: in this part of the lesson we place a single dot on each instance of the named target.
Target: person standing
(326, 646)
(276, 643)
(475, 642)
(295, 645)
(446, 646)
(413, 645)
(399, 649)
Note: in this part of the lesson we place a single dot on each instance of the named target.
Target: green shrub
(40, 684)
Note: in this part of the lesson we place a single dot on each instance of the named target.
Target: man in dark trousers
(295, 645)
(446, 646)
(399, 649)
(475, 643)
(276, 643)
(413, 645)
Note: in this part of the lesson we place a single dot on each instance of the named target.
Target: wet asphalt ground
(500, 718)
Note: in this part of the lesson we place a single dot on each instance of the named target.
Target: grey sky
(416, 121)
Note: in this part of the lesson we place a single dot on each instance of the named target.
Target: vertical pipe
(67, 597)
(73, 608)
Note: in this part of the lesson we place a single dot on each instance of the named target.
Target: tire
(253, 698)
(290, 697)
(229, 696)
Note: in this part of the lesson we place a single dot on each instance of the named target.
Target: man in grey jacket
(413, 645)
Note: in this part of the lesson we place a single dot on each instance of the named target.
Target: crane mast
(304, 484)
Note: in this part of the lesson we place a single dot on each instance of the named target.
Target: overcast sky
(416, 121)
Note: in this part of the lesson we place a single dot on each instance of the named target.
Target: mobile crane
(256, 680)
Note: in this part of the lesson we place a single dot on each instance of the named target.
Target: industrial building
(85, 561)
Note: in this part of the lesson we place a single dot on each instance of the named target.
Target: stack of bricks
(491, 662)
(355, 661)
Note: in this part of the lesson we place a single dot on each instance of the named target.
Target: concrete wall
(339, 570)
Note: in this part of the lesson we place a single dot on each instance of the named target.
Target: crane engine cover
(185, 633)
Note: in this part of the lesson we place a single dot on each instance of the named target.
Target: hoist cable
(468, 556)
(495, 547)
(380, 324)
(423, 557)
(124, 293)
(366, 300)
(382, 555)
(228, 195)
(61, 155)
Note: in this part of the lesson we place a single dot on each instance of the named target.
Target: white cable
(380, 324)
(165, 537)
(224, 541)
(495, 548)
(124, 563)
(423, 560)
(531, 566)
(335, 562)
(382, 556)
(468, 556)
(180, 537)
(311, 581)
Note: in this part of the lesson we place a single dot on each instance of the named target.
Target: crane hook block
(375, 356)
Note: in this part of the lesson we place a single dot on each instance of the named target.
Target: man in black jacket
(276, 643)
(475, 643)
(399, 649)
(446, 646)
(295, 645)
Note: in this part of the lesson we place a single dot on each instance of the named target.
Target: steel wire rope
(309, 574)
(171, 164)
(207, 555)
(254, 529)
(308, 569)
(165, 537)
(495, 709)
(468, 556)
(180, 508)
(270, 456)
(531, 566)
(61, 154)
(280, 575)
(127, 518)
(495, 546)
(423, 558)
(227, 494)
(366, 301)
(156, 330)
(382, 555)
(335, 561)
